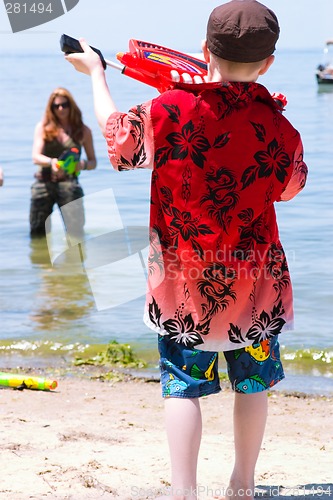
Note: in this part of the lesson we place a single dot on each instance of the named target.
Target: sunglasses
(63, 105)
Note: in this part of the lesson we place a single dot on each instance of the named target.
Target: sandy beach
(105, 439)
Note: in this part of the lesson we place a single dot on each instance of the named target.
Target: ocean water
(48, 313)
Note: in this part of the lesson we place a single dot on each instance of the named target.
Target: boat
(324, 72)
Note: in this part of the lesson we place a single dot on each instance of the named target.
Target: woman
(60, 130)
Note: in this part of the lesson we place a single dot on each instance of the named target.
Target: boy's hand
(86, 62)
(89, 62)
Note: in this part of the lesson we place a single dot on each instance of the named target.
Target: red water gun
(154, 65)
(159, 66)
(149, 63)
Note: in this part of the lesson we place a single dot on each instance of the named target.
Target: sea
(55, 308)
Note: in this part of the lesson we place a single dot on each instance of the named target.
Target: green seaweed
(115, 354)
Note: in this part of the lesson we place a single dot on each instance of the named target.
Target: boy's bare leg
(184, 429)
(250, 414)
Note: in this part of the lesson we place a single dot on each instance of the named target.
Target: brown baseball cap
(242, 31)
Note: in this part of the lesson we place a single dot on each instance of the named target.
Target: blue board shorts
(191, 373)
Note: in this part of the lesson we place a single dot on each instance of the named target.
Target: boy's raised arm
(88, 62)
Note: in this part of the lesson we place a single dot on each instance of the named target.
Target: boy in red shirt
(222, 154)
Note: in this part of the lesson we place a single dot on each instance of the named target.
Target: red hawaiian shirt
(221, 155)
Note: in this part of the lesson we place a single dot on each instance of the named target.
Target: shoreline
(105, 439)
(298, 379)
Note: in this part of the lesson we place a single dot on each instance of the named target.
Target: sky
(179, 24)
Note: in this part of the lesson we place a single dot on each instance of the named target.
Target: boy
(222, 154)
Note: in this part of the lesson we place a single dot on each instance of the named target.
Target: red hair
(51, 123)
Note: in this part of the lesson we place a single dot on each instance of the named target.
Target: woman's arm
(88, 144)
(37, 156)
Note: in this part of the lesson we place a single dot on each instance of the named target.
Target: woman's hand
(86, 62)
(56, 172)
(81, 165)
(54, 165)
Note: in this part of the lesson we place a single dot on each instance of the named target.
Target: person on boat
(1, 177)
(61, 132)
(222, 154)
